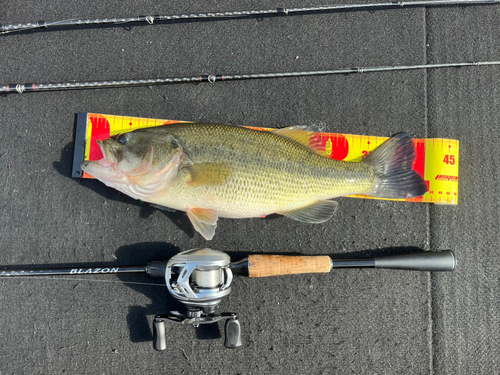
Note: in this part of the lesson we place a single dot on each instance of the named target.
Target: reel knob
(233, 333)
(159, 334)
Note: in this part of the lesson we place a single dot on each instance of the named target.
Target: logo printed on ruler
(444, 177)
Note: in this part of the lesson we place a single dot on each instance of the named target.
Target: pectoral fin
(208, 173)
(204, 221)
(318, 212)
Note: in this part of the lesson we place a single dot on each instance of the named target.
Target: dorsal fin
(305, 136)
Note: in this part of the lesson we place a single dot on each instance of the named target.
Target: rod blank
(4, 29)
(72, 271)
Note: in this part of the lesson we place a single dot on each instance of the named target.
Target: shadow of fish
(211, 171)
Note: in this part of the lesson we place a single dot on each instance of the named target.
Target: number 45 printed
(449, 159)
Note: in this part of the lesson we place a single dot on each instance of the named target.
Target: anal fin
(204, 221)
(315, 213)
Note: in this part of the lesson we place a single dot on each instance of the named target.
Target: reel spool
(198, 278)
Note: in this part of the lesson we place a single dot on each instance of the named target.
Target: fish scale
(271, 173)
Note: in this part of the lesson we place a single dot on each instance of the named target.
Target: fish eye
(123, 139)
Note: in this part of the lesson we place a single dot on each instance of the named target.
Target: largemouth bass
(211, 171)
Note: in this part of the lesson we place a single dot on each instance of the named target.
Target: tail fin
(393, 166)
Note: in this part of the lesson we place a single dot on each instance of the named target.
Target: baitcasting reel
(198, 278)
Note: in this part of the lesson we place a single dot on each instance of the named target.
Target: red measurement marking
(449, 159)
(419, 165)
(34, 89)
(100, 130)
(168, 122)
(340, 145)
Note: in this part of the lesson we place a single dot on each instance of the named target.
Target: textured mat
(349, 321)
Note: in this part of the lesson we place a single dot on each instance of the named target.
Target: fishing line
(4, 29)
(212, 78)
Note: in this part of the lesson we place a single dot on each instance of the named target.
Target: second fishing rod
(255, 13)
(19, 88)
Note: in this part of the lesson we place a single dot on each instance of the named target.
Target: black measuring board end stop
(80, 136)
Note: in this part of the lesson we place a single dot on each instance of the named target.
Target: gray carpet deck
(349, 321)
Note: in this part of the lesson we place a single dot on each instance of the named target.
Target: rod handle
(433, 261)
(276, 265)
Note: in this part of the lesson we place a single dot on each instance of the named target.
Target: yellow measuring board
(436, 158)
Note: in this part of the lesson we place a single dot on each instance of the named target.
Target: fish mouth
(109, 154)
(101, 170)
(104, 168)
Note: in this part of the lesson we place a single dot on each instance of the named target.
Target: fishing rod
(200, 278)
(36, 87)
(4, 29)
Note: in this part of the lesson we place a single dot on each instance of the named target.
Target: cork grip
(275, 265)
